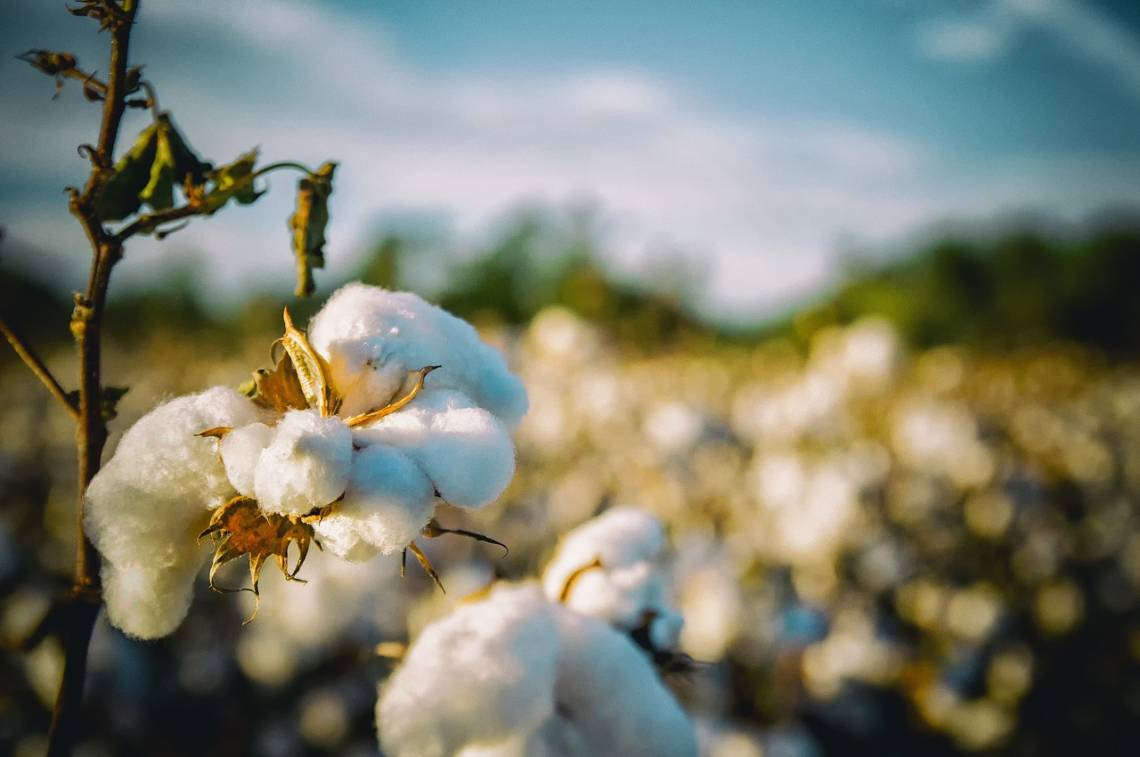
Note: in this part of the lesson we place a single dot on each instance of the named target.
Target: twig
(32, 360)
(91, 432)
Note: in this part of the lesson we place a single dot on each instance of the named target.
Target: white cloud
(763, 198)
(994, 27)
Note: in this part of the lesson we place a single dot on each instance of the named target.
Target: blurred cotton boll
(517, 674)
(610, 568)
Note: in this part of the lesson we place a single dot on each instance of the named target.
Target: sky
(762, 140)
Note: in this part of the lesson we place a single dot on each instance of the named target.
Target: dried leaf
(49, 62)
(308, 224)
(241, 528)
(311, 369)
(279, 389)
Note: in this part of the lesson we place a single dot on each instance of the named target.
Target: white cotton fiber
(373, 338)
(630, 588)
(241, 449)
(387, 502)
(306, 464)
(609, 699)
(465, 450)
(148, 601)
(483, 675)
(147, 504)
(515, 674)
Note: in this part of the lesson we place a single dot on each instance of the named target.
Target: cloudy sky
(761, 138)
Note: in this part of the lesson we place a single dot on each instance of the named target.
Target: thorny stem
(32, 360)
(91, 431)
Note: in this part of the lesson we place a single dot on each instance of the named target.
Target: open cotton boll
(387, 502)
(306, 464)
(241, 449)
(629, 587)
(515, 674)
(465, 450)
(144, 507)
(372, 338)
(172, 474)
(483, 675)
(609, 699)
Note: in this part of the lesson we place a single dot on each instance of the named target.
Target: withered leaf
(232, 181)
(278, 389)
(308, 224)
(311, 369)
(48, 61)
(241, 528)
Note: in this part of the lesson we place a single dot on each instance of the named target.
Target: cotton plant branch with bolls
(389, 407)
(153, 188)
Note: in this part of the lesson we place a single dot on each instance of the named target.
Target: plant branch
(151, 221)
(32, 360)
(91, 431)
(148, 222)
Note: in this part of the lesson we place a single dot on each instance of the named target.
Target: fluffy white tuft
(372, 338)
(481, 675)
(609, 699)
(465, 450)
(241, 449)
(630, 588)
(517, 675)
(387, 502)
(305, 466)
(147, 504)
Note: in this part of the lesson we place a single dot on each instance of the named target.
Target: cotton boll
(305, 466)
(372, 338)
(172, 474)
(387, 502)
(146, 505)
(148, 601)
(240, 450)
(608, 698)
(465, 450)
(483, 675)
(629, 587)
(515, 674)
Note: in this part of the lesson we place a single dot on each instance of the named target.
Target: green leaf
(233, 180)
(119, 197)
(308, 224)
(175, 163)
(159, 190)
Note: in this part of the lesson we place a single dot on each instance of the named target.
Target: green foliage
(121, 195)
(232, 181)
(1020, 289)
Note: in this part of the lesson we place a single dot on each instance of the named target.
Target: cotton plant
(517, 674)
(386, 408)
(569, 665)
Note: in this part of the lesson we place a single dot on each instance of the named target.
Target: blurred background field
(847, 296)
(904, 516)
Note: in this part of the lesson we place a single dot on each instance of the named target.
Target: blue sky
(759, 138)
